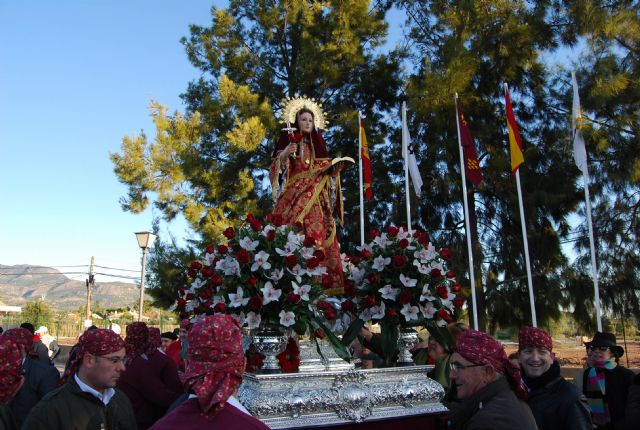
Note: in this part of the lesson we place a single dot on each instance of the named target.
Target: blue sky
(75, 77)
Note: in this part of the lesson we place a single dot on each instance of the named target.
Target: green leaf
(353, 330)
(337, 345)
(389, 340)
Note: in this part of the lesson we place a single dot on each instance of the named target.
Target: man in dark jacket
(88, 399)
(555, 403)
(478, 368)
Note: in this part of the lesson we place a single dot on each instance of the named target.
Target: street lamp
(145, 241)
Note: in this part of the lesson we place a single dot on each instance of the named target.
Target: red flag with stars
(472, 167)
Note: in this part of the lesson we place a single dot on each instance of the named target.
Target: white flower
(436, 265)
(407, 281)
(302, 291)
(307, 252)
(261, 261)
(448, 302)
(428, 310)
(318, 271)
(426, 294)
(380, 262)
(426, 254)
(217, 299)
(236, 300)
(297, 271)
(382, 241)
(377, 312)
(289, 249)
(228, 265)
(365, 247)
(358, 275)
(365, 315)
(389, 293)
(197, 283)
(191, 305)
(276, 275)
(253, 320)
(269, 293)
(248, 244)
(295, 238)
(208, 258)
(404, 234)
(287, 319)
(410, 312)
(267, 228)
(422, 268)
(239, 318)
(441, 323)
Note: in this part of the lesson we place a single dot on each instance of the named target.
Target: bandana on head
(154, 340)
(215, 362)
(136, 340)
(95, 342)
(10, 368)
(532, 337)
(21, 337)
(480, 348)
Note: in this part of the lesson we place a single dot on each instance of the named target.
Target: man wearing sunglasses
(478, 368)
(88, 399)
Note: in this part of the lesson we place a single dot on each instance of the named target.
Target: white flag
(579, 151)
(408, 154)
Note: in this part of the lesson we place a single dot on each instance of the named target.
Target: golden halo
(291, 106)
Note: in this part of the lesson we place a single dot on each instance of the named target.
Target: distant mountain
(21, 283)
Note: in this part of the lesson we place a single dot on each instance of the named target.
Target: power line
(115, 268)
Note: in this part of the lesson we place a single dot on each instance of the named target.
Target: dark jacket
(556, 403)
(39, 379)
(616, 384)
(7, 422)
(69, 408)
(632, 416)
(494, 407)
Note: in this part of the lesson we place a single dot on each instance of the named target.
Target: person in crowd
(632, 416)
(39, 378)
(39, 349)
(215, 366)
(53, 349)
(72, 351)
(177, 351)
(148, 393)
(480, 372)
(167, 338)
(162, 365)
(605, 382)
(555, 402)
(11, 380)
(88, 398)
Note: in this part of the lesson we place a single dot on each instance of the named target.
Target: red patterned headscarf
(95, 342)
(534, 337)
(136, 340)
(154, 340)
(215, 362)
(10, 368)
(21, 337)
(480, 348)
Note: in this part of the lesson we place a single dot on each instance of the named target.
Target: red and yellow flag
(366, 165)
(472, 167)
(515, 142)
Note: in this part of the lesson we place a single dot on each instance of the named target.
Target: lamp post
(145, 241)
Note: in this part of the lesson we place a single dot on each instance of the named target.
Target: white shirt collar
(231, 400)
(104, 397)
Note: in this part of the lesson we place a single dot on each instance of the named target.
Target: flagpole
(361, 191)
(405, 154)
(534, 320)
(594, 271)
(472, 276)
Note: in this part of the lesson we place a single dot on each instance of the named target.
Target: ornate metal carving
(407, 339)
(270, 342)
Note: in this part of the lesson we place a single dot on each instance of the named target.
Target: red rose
(330, 314)
(374, 233)
(392, 231)
(309, 241)
(442, 313)
(366, 254)
(298, 225)
(355, 260)
(229, 233)
(319, 254)
(252, 280)
(350, 288)
(369, 301)
(319, 333)
(222, 249)
(219, 307)
(372, 278)
(290, 261)
(277, 220)
(210, 249)
(269, 217)
(323, 306)
(250, 217)
(207, 272)
(293, 298)
(458, 302)
(404, 243)
(435, 273)
(392, 313)
(255, 303)
(181, 303)
(256, 361)
(256, 225)
(312, 263)
(271, 235)
(190, 296)
(404, 297)
(451, 274)
(445, 253)
(243, 256)
(399, 261)
(196, 265)
(205, 294)
(456, 288)
(442, 291)
(192, 273)
(346, 306)
(216, 280)
(327, 281)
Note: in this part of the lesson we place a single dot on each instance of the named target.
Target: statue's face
(305, 122)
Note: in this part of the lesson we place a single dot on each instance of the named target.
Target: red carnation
(445, 253)
(229, 233)
(319, 254)
(269, 217)
(243, 256)
(435, 273)
(456, 288)
(207, 272)
(256, 225)
(192, 273)
(222, 249)
(319, 333)
(442, 291)
(216, 280)
(255, 303)
(181, 303)
(403, 243)
(355, 260)
(404, 297)
(205, 294)
(458, 302)
(298, 225)
(392, 313)
(271, 235)
(210, 249)
(190, 296)
(312, 263)
(451, 274)
(392, 231)
(399, 261)
(293, 298)
(442, 313)
(372, 278)
(309, 241)
(250, 217)
(290, 261)
(219, 307)
(330, 314)
(196, 265)
(256, 361)
(366, 254)
(252, 281)
(374, 233)
(369, 301)
(277, 220)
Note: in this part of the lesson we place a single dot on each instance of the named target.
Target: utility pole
(90, 281)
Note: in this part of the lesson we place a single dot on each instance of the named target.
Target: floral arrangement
(400, 280)
(265, 274)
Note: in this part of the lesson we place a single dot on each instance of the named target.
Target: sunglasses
(598, 348)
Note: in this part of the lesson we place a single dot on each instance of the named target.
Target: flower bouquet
(400, 281)
(266, 275)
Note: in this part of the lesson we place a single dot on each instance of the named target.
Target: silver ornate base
(312, 399)
(407, 339)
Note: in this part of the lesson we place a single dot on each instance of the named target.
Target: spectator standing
(11, 380)
(88, 398)
(167, 339)
(39, 350)
(53, 349)
(555, 402)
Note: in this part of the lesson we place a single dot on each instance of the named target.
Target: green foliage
(37, 312)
